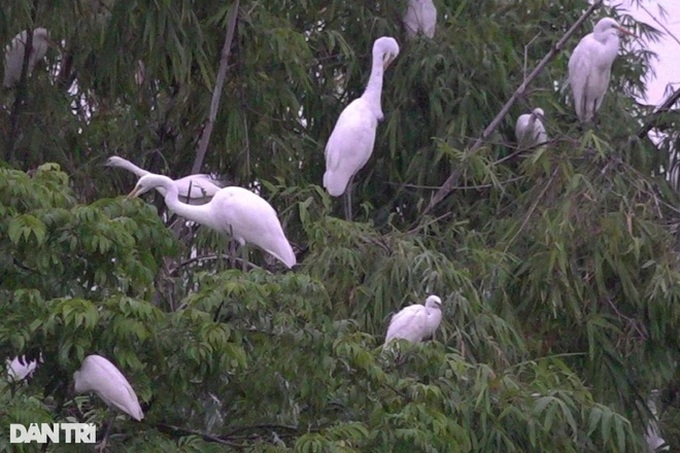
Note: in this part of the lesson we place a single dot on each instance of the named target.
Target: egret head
(608, 25)
(387, 49)
(114, 161)
(149, 182)
(433, 302)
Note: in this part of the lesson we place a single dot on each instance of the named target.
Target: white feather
(416, 322)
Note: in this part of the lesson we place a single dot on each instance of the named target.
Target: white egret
(652, 434)
(100, 376)
(416, 322)
(351, 142)
(233, 210)
(529, 129)
(420, 17)
(14, 55)
(590, 67)
(19, 368)
(203, 187)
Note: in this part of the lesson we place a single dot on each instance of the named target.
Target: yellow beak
(133, 194)
(625, 31)
(387, 62)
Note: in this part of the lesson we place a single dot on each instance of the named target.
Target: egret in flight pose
(590, 67)
(233, 210)
(351, 142)
(416, 322)
(202, 187)
(100, 376)
(530, 130)
(420, 17)
(14, 55)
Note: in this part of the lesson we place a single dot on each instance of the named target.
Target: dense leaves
(557, 267)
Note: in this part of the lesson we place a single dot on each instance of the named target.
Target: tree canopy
(557, 265)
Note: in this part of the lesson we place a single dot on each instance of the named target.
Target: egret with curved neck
(351, 143)
(193, 189)
(529, 129)
(247, 217)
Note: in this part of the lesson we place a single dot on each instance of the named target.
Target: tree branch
(452, 180)
(217, 92)
(663, 108)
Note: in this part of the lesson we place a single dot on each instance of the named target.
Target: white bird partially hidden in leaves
(529, 129)
(351, 142)
(416, 322)
(420, 18)
(14, 55)
(98, 375)
(590, 67)
(192, 189)
(20, 368)
(233, 210)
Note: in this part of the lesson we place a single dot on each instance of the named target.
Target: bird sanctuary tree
(556, 262)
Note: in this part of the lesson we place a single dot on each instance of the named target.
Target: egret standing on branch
(416, 322)
(351, 142)
(202, 187)
(590, 67)
(529, 130)
(100, 376)
(14, 55)
(420, 17)
(233, 210)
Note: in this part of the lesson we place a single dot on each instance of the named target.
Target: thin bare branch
(217, 92)
(452, 180)
(663, 108)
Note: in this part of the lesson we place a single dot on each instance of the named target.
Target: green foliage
(558, 267)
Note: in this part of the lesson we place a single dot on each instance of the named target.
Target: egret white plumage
(98, 375)
(233, 210)
(14, 55)
(203, 187)
(20, 368)
(529, 129)
(420, 17)
(351, 143)
(416, 322)
(590, 67)
(652, 434)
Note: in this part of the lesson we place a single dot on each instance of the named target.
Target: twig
(263, 426)
(663, 108)
(217, 92)
(205, 436)
(532, 209)
(452, 180)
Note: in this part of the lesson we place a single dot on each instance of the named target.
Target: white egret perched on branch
(529, 129)
(14, 55)
(203, 187)
(590, 67)
(21, 368)
(351, 142)
(416, 322)
(100, 376)
(420, 17)
(233, 210)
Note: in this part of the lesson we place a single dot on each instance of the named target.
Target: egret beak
(133, 194)
(625, 31)
(386, 62)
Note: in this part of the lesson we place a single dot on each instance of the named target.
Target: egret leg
(348, 200)
(232, 253)
(244, 258)
(102, 445)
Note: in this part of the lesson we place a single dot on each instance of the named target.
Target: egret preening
(14, 55)
(202, 187)
(420, 17)
(590, 67)
(416, 322)
(233, 210)
(100, 376)
(529, 129)
(351, 142)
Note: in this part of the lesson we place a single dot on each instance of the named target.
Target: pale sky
(668, 49)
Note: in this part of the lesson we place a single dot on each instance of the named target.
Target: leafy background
(558, 267)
